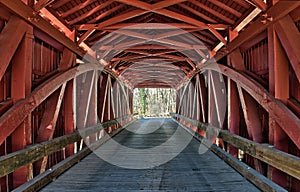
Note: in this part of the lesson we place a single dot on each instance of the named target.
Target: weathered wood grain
(283, 161)
(15, 160)
(188, 171)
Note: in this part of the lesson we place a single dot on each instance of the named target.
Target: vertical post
(235, 60)
(203, 98)
(253, 122)
(92, 111)
(212, 112)
(130, 100)
(21, 87)
(69, 115)
(279, 82)
(233, 113)
(103, 92)
(271, 51)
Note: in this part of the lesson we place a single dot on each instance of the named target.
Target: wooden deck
(189, 171)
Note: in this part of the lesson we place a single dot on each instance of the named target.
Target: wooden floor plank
(188, 171)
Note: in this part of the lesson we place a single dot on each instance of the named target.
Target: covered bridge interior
(68, 69)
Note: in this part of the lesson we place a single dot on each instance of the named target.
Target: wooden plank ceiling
(152, 43)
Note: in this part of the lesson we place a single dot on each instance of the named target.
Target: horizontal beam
(279, 10)
(21, 158)
(249, 173)
(29, 15)
(153, 86)
(285, 162)
(16, 115)
(289, 122)
(138, 26)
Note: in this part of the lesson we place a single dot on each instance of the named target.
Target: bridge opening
(154, 102)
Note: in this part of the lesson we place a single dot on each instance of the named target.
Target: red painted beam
(289, 37)
(233, 113)
(10, 38)
(69, 116)
(48, 124)
(20, 89)
(289, 122)
(17, 114)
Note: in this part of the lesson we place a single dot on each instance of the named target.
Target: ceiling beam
(89, 13)
(259, 4)
(41, 4)
(166, 3)
(151, 7)
(28, 14)
(279, 10)
(76, 8)
(117, 19)
(152, 71)
(136, 58)
(59, 3)
(45, 13)
(145, 37)
(218, 35)
(106, 13)
(155, 47)
(204, 38)
(86, 35)
(172, 33)
(199, 14)
(145, 40)
(213, 12)
(242, 3)
(137, 4)
(190, 21)
(138, 26)
(175, 71)
(226, 7)
(65, 30)
(180, 17)
(4, 14)
(289, 36)
(177, 16)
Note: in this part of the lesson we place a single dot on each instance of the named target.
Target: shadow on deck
(141, 158)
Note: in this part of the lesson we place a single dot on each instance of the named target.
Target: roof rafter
(166, 3)
(225, 7)
(59, 3)
(212, 11)
(142, 25)
(180, 17)
(89, 13)
(145, 37)
(199, 14)
(120, 18)
(259, 4)
(106, 13)
(41, 4)
(76, 8)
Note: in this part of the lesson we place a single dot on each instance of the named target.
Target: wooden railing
(285, 162)
(13, 161)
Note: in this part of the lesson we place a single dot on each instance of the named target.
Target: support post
(21, 87)
(69, 116)
(233, 113)
(280, 89)
(48, 124)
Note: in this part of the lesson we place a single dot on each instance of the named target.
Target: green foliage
(143, 100)
(154, 102)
